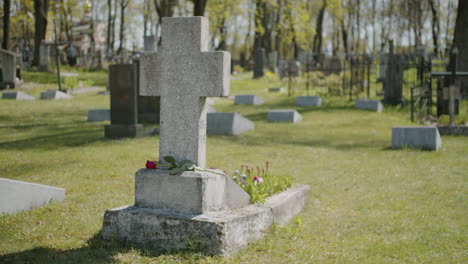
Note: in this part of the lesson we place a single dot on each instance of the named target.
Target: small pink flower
(151, 165)
(258, 179)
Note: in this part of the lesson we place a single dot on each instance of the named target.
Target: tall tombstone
(283, 69)
(259, 63)
(44, 57)
(8, 69)
(382, 66)
(273, 61)
(148, 106)
(393, 82)
(149, 43)
(123, 96)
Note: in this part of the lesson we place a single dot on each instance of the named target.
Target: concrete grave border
(216, 233)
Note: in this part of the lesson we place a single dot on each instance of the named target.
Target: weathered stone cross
(184, 73)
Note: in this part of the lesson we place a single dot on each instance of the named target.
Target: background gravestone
(8, 69)
(273, 61)
(259, 64)
(123, 96)
(149, 43)
(43, 57)
(283, 69)
(17, 196)
(148, 106)
(393, 81)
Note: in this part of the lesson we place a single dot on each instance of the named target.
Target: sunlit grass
(367, 204)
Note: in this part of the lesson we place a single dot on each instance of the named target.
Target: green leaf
(176, 170)
(170, 159)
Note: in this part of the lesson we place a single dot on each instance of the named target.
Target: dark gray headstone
(259, 63)
(123, 96)
(148, 106)
(43, 57)
(393, 81)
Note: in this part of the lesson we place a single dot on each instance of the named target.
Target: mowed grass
(367, 204)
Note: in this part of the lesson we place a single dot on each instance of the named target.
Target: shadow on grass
(57, 137)
(96, 251)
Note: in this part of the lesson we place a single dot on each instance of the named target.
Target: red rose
(151, 164)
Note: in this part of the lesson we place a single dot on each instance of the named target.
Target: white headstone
(184, 73)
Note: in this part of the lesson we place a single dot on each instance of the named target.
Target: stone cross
(183, 73)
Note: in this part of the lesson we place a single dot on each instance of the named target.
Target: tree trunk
(41, 8)
(123, 6)
(109, 28)
(199, 7)
(460, 41)
(260, 7)
(435, 26)
(6, 24)
(317, 43)
(164, 8)
(344, 36)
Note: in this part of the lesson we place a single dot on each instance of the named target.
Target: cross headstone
(184, 73)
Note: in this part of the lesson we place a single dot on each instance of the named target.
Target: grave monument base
(123, 131)
(215, 233)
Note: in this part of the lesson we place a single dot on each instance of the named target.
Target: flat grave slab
(371, 105)
(248, 99)
(427, 138)
(17, 96)
(457, 130)
(308, 101)
(17, 196)
(97, 115)
(229, 124)
(54, 95)
(285, 115)
(277, 90)
(218, 233)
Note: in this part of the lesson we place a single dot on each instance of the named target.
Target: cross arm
(216, 73)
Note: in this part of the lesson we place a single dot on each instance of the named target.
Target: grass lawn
(367, 204)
